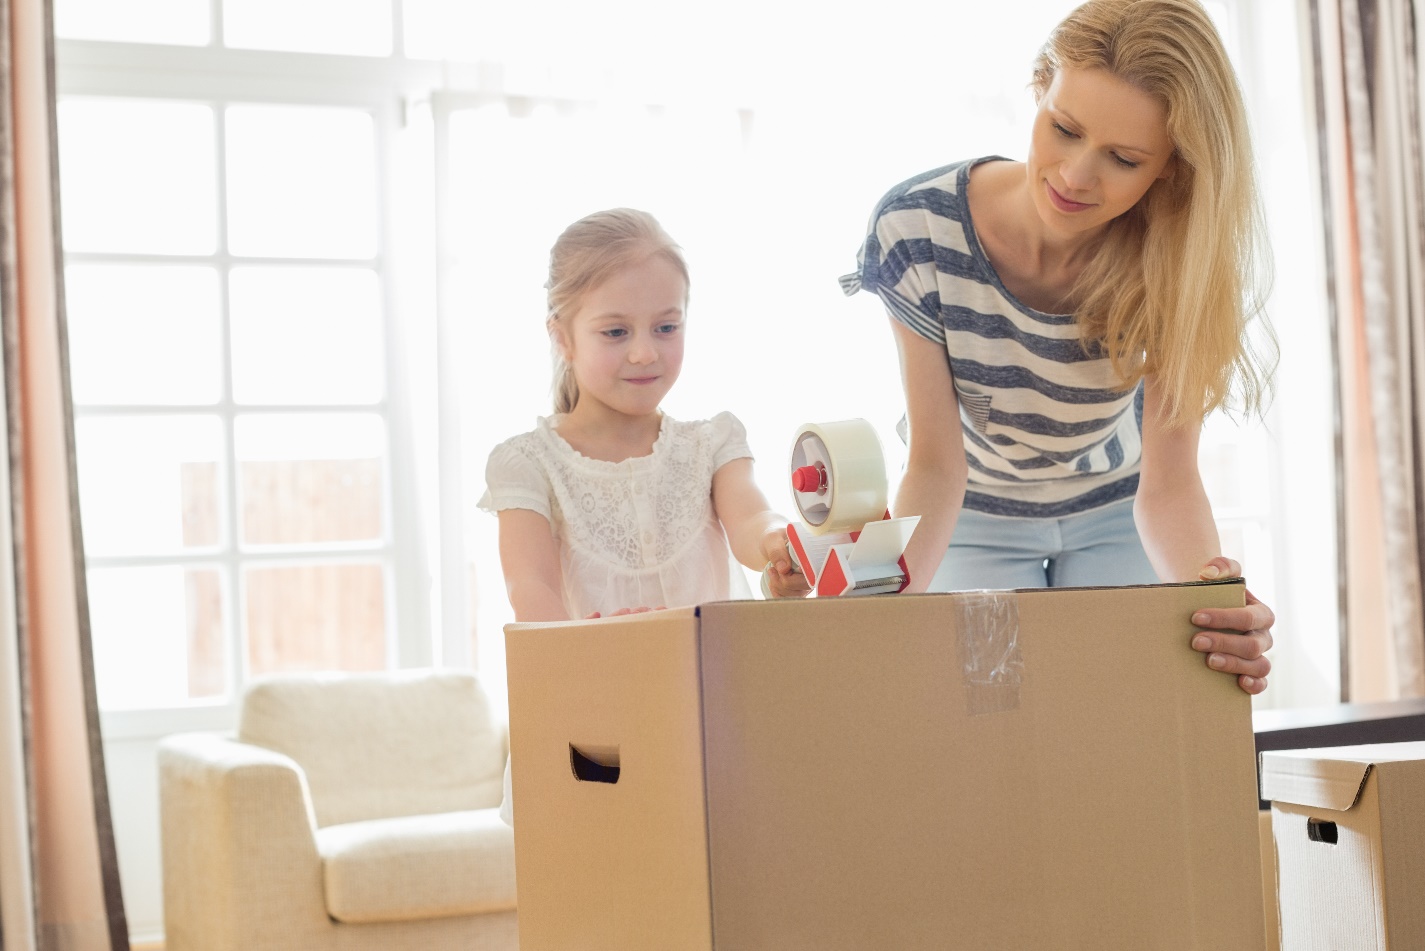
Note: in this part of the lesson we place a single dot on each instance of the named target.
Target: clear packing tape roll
(846, 542)
(838, 476)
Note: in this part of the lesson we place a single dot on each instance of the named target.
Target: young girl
(610, 505)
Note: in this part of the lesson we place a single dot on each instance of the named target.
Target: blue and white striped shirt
(1047, 432)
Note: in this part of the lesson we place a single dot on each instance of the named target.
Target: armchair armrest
(240, 862)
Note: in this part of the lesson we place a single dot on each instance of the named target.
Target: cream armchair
(356, 812)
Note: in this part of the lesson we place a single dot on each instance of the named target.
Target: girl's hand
(783, 580)
(1237, 639)
(622, 611)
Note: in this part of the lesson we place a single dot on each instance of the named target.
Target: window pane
(138, 176)
(358, 27)
(306, 335)
(320, 617)
(301, 182)
(148, 485)
(184, 22)
(158, 635)
(440, 29)
(142, 334)
(309, 479)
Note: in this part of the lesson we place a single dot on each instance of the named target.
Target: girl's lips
(641, 380)
(1065, 204)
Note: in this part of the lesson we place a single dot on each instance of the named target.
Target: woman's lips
(1065, 205)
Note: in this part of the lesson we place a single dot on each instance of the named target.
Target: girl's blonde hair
(1180, 276)
(589, 252)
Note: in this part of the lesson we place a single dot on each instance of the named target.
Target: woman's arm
(529, 556)
(1175, 523)
(756, 534)
(933, 485)
(1171, 509)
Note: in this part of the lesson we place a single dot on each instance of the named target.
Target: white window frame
(216, 78)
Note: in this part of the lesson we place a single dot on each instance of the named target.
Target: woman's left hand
(1235, 640)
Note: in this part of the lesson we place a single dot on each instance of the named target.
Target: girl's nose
(642, 351)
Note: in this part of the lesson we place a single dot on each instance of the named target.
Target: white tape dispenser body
(846, 543)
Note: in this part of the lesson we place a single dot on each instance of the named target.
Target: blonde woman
(1066, 323)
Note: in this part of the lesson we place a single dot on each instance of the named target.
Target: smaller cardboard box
(1349, 828)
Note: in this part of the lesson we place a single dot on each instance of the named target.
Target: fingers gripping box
(1349, 828)
(1050, 769)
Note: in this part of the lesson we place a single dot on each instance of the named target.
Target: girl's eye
(669, 328)
(613, 333)
(1125, 162)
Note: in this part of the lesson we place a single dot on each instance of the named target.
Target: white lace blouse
(637, 533)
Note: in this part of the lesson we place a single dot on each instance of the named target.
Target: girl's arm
(756, 534)
(933, 485)
(529, 556)
(1175, 523)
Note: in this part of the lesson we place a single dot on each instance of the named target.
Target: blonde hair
(589, 252)
(1181, 275)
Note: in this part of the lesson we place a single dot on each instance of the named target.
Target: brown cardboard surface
(857, 791)
(1361, 891)
(1269, 880)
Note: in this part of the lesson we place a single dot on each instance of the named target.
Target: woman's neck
(1023, 251)
(599, 432)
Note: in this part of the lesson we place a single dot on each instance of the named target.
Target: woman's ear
(1170, 168)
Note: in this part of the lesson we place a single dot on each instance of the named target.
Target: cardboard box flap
(1306, 778)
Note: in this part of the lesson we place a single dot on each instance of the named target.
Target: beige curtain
(1368, 107)
(59, 886)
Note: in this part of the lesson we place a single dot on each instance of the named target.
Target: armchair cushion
(381, 745)
(456, 863)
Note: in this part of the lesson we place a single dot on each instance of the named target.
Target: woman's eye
(1125, 162)
(1063, 131)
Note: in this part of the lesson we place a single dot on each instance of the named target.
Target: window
(230, 317)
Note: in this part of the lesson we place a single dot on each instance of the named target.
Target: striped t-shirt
(1047, 433)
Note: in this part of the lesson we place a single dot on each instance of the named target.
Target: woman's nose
(1078, 172)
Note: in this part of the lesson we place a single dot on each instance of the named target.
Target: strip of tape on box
(990, 658)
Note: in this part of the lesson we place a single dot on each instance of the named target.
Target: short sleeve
(729, 440)
(514, 481)
(897, 261)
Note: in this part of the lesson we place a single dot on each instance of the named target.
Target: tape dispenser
(846, 543)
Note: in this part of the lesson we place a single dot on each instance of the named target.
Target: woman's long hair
(589, 252)
(1180, 276)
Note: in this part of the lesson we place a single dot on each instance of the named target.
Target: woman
(1085, 310)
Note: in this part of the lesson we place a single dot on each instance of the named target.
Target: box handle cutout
(1321, 830)
(594, 764)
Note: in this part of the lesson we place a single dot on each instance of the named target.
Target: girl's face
(624, 340)
(1098, 144)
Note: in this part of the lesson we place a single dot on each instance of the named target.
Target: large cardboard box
(1349, 827)
(1046, 769)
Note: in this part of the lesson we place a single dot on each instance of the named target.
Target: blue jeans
(1089, 550)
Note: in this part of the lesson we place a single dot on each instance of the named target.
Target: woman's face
(1098, 144)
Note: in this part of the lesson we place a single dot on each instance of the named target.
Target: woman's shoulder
(918, 190)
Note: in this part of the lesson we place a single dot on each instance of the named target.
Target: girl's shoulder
(716, 440)
(716, 428)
